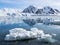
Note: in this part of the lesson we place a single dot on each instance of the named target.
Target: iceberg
(47, 38)
(53, 34)
(22, 34)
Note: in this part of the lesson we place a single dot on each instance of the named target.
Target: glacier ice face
(10, 20)
(20, 33)
(10, 16)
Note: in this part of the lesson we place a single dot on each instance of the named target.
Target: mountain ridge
(44, 10)
(30, 9)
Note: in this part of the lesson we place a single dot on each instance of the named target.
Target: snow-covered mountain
(10, 16)
(44, 10)
(30, 9)
(39, 11)
(48, 10)
(9, 11)
(57, 11)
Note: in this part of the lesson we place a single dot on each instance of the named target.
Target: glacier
(34, 33)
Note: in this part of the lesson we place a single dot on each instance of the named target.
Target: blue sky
(25, 3)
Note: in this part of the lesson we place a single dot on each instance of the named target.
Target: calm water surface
(5, 30)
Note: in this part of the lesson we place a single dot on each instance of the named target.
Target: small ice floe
(22, 34)
(48, 38)
(54, 34)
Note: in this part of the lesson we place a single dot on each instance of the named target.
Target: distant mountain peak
(47, 7)
(31, 6)
(30, 9)
(44, 10)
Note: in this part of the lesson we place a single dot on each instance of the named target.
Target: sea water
(50, 29)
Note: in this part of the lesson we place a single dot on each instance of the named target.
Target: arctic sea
(50, 29)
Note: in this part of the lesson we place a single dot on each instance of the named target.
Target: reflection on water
(29, 42)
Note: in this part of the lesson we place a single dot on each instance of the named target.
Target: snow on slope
(48, 10)
(4, 11)
(44, 10)
(30, 9)
(10, 16)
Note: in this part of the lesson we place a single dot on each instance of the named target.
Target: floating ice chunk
(17, 30)
(54, 34)
(20, 33)
(46, 36)
(49, 40)
(10, 37)
(37, 32)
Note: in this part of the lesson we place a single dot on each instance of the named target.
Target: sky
(21, 4)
